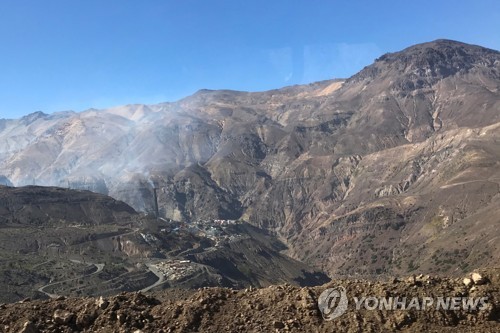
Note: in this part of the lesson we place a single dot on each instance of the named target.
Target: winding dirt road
(99, 268)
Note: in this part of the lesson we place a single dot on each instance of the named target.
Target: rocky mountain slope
(282, 308)
(45, 207)
(56, 241)
(393, 170)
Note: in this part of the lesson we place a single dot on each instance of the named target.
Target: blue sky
(60, 55)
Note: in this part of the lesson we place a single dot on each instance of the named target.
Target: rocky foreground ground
(281, 308)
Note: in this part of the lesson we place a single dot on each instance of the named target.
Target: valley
(393, 171)
(89, 244)
(404, 153)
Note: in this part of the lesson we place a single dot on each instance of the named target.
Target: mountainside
(393, 170)
(56, 241)
(45, 207)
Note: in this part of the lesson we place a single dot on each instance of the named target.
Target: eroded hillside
(393, 170)
(59, 242)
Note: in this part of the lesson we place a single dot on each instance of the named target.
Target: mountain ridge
(319, 165)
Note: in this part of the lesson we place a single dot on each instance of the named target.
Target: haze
(58, 56)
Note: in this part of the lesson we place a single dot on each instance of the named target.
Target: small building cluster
(176, 269)
(215, 230)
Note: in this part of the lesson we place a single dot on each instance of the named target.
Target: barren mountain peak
(33, 116)
(443, 47)
(432, 61)
(393, 154)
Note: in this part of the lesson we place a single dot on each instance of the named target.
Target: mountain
(56, 241)
(282, 308)
(393, 170)
(45, 207)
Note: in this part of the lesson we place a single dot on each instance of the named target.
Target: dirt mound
(282, 308)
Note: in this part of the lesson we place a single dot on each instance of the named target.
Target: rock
(29, 327)
(102, 303)
(411, 280)
(278, 325)
(121, 318)
(62, 317)
(85, 320)
(478, 279)
(467, 282)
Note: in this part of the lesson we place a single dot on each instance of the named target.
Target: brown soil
(282, 308)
